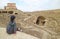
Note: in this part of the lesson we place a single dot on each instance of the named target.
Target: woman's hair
(12, 18)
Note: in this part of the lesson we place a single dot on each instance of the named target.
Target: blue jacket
(11, 27)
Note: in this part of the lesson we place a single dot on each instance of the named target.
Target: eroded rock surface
(18, 35)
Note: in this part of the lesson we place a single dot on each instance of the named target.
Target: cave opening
(40, 20)
(10, 12)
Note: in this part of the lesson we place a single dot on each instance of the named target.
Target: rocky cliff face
(38, 24)
(52, 19)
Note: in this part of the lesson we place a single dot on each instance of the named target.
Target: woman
(11, 28)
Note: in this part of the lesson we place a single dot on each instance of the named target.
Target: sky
(33, 5)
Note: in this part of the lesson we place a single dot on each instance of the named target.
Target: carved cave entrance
(40, 20)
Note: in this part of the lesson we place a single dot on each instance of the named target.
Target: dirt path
(18, 35)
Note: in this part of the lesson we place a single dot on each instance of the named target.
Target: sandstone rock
(18, 35)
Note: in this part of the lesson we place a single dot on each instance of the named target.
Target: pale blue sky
(33, 5)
